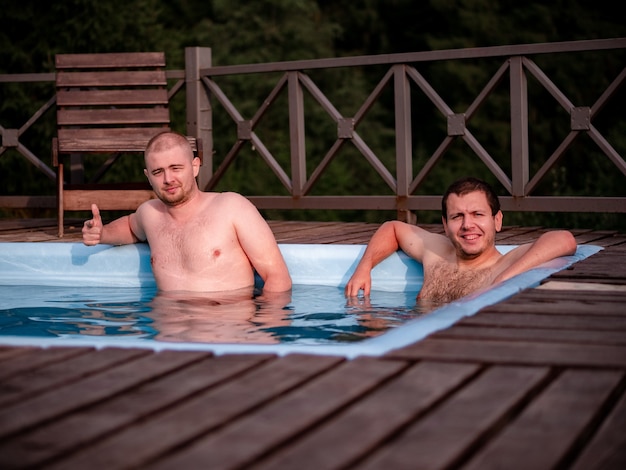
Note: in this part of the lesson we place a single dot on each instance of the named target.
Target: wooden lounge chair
(108, 103)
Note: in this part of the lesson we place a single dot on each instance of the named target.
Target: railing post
(404, 147)
(296, 131)
(519, 127)
(199, 112)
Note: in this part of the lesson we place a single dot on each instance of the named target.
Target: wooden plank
(109, 140)
(135, 445)
(84, 361)
(344, 238)
(616, 241)
(571, 312)
(603, 265)
(604, 303)
(551, 424)
(110, 60)
(60, 370)
(443, 437)
(134, 367)
(119, 117)
(532, 333)
(555, 291)
(106, 199)
(144, 134)
(331, 234)
(611, 308)
(110, 79)
(520, 236)
(356, 239)
(521, 352)
(112, 97)
(595, 236)
(312, 229)
(63, 436)
(22, 224)
(8, 355)
(371, 421)
(47, 371)
(601, 259)
(594, 278)
(243, 441)
(588, 289)
(607, 449)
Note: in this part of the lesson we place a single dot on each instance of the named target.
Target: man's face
(470, 226)
(172, 173)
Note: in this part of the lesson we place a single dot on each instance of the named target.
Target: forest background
(256, 31)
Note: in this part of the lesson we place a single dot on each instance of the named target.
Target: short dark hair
(466, 185)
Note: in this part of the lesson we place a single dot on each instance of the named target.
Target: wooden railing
(404, 76)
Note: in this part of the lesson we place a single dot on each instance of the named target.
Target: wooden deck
(534, 382)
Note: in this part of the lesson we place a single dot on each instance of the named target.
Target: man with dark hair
(465, 259)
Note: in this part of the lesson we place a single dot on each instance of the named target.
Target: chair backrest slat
(106, 117)
(102, 140)
(96, 97)
(110, 60)
(127, 78)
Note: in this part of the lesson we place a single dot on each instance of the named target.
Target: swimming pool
(42, 275)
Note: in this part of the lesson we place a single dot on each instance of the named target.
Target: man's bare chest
(193, 247)
(444, 282)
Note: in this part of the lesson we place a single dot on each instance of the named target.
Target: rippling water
(308, 315)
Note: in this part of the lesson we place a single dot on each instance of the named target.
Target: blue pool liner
(74, 264)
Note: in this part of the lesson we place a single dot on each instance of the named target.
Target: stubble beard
(175, 199)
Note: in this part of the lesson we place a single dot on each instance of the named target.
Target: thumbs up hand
(92, 228)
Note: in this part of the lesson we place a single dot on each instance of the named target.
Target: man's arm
(117, 232)
(547, 247)
(389, 238)
(259, 244)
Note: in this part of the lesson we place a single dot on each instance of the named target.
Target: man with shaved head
(199, 241)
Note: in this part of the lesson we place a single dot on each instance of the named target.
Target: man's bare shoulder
(404, 229)
(229, 198)
(235, 207)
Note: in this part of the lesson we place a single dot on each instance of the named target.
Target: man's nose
(167, 176)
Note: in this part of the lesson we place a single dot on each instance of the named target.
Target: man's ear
(498, 219)
(196, 162)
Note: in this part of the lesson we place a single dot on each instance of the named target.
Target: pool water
(311, 315)
(67, 294)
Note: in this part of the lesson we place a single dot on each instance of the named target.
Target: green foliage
(243, 32)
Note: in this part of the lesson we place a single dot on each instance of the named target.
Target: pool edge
(396, 338)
